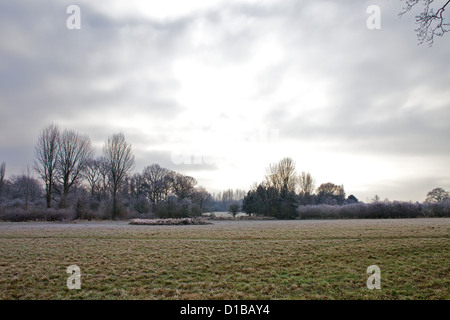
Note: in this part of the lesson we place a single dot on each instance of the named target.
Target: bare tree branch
(430, 22)
(282, 175)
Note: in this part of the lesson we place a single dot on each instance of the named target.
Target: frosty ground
(235, 259)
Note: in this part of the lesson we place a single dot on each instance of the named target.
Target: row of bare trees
(221, 201)
(60, 161)
(64, 158)
(70, 174)
(167, 193)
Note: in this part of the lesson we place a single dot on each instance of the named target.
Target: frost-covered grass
(300, 259)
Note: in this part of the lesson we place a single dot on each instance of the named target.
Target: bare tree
(227, 195)
(156, 182)
(182, 186)
(93, 176)
(46, 155)
(74, 152)
(282, 175)
(137, 186)
(202, 198)
(376, 198)
(120, 161)
(329, 193)
(437, 195)
(25, 186)
(306, 188)
(27, 190)
(431, 21)
(105, 181)
(306, 184)
(2, 177)
(328, 188)
(239, 194)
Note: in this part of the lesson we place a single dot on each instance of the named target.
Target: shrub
(436, 209)
(233, 208)
(376, 210)
(170, 221)
(37, 214)
(174, 208)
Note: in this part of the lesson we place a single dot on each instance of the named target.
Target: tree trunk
(115, 210)
(49, 196)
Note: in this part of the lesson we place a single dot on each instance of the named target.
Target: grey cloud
(376, 79)
(373, 79)
(54, 73)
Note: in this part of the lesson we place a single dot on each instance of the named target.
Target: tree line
(283, 190)
(222, 201)
(285, 194)
(71, 178)
(72, 183)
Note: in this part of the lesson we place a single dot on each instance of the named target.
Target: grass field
(227, 260)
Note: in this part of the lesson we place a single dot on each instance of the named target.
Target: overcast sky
(237, 85)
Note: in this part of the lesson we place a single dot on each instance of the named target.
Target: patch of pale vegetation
(170, 222)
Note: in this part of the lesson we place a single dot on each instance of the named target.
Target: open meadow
(235, 259)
